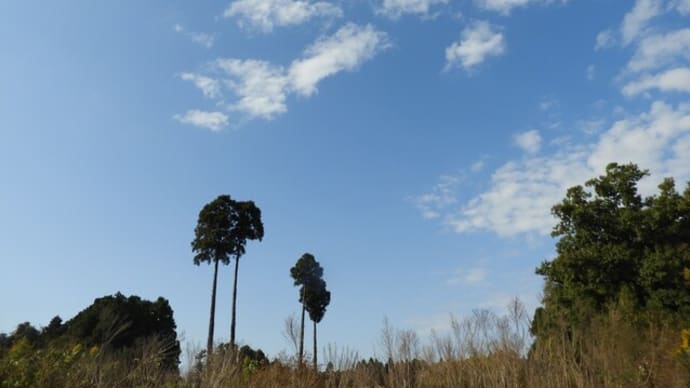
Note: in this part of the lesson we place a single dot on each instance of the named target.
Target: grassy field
(482, 350)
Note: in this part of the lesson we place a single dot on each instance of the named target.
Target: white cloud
(506, 6)
(636, 20)
(521, 192)
(503, 6)
(264, 15)
(660, 50)
(529, 141)
(477, 166)
(348, 48)
(591, 127)
(605, 39)
(214, 121)
(200, 38)
(591, 72)
(259, 86)
(203, 39)
(208, 86)
(478, 41)
(262, 88)
(443, 195)
(548, 103)
(470, 276)
(396, 8)
(682, 6)
(647, 139)
(676, 80)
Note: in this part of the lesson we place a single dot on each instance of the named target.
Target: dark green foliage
(304, 273)
(256, 356)
(112, 324)
(119, 322)
(316, 298)
(5, 343)
(25, 330)
(54, 329)
(306, 270)
(614, 245)
(223, 228)
(313, 295)
(308, 275)
(222, 231)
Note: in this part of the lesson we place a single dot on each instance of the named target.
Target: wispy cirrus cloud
(345, 50)
(521, 192)
(200, 38)
(208, 86)
(505, 7)
(682, 6)
(605, 39)
(397, 8)
(433, 204)
(661, 50)
(470, 276)
(529, 141)
(674, 80)
(478, 41)
(661, 58)
(214, 121)
(261, 88)
(265, 15)
(637, 19)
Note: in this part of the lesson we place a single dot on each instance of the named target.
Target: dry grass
(482, 350)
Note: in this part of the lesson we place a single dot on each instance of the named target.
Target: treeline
(615, 312)
(113, 326)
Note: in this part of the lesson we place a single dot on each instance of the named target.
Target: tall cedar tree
(306, 272)
(222, 231)
(615, 245)
(317, 298)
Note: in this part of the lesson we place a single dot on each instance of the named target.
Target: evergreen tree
(222, 231)
(307, 271)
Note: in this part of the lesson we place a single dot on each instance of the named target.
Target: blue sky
(413, 146)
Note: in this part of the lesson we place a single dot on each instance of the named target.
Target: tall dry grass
(481, 350)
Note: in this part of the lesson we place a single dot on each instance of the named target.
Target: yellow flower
(685, 341)
(93, 351)
(76, 348)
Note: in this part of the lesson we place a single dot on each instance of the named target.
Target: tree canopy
(614, 243)
(223, 228)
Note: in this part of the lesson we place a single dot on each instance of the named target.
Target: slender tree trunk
(315, 363)
(301, 337)
(211, 323)
(234, 306)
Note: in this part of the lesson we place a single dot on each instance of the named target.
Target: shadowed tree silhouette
(317, 298)
(222, 231)
(305, 272)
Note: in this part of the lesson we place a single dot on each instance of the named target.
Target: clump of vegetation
(116, 339)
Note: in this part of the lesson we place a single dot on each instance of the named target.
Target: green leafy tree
(317, 298)
(307, 271)
(222, 231)
(613, 244)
